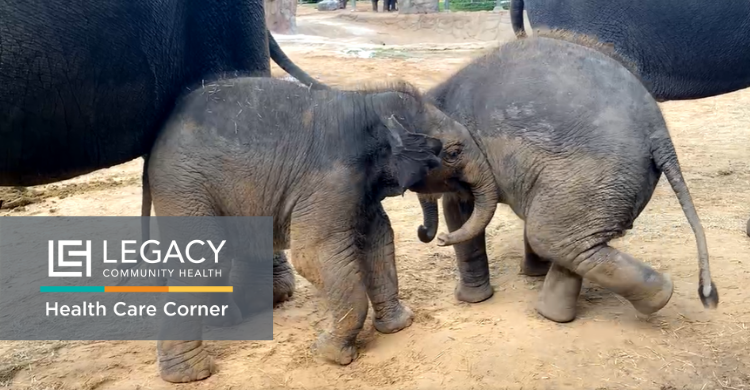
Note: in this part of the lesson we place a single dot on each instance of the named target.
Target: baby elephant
(319, 163)
(576, 145)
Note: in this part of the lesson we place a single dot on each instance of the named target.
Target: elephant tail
(280, 58)
(665, 157)
(516, 18)
(145, 223)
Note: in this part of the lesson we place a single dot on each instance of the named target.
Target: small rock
(328, 5)
(52, 210)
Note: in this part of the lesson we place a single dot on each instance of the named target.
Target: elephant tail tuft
(665, 157)
(516, 18)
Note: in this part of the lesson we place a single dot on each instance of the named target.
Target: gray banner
(96, 278)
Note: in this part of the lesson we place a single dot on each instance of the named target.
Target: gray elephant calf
(576, 145)
(319, 163)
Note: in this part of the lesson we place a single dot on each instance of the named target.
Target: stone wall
(417, 6)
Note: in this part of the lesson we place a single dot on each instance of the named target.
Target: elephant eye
(452, 153)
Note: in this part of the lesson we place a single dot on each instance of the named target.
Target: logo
(68, 264)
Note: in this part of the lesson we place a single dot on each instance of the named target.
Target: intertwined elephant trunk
(478, 175)
(430, 218)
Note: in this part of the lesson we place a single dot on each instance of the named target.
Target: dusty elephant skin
(319, 162)
(86, 85)
(676, 60)
(577, 146)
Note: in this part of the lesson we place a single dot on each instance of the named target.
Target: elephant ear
(413, 155)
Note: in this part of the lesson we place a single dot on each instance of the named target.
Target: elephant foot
(335, 351)
(559, 295)
(472, 294)
(232, 317)
(185, 364)
(534, 266)
(658, 295)
(283, 279)
(400, 318)
(281, 297)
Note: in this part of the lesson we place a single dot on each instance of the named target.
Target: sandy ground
(501, 343)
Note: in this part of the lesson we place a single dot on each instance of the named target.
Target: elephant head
(464, 168)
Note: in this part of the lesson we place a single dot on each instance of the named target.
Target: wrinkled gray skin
(675, 59)
(319, 163)
(577, 146)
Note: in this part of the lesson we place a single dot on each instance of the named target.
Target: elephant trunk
(478, 175)
(428, 229)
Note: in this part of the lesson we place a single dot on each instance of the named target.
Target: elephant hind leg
(532, 264)
(647, 289)
(559, 295)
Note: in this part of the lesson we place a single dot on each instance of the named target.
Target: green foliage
(470, 5)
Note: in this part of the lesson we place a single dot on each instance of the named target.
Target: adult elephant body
(682, 49)
(86, 85)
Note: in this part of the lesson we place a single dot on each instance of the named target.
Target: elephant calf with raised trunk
(319, 163)
(576, 146)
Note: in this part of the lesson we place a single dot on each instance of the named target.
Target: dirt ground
(497, 344)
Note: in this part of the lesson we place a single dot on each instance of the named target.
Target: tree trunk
(280, 16)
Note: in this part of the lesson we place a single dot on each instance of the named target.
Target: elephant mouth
(426, 186)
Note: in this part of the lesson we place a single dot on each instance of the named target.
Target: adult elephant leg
(532, 264)
(471, 256)
(559, 295)
(380, 275)
(646, 289)
(329, 259)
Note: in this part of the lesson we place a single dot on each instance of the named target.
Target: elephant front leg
(330, 261)
(471, 256)
(532, 264)
(380, 275)
(559, 295)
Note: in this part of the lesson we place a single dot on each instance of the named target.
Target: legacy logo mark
(63, 263)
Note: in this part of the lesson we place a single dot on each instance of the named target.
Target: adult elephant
(682, 49)
(86, 85)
